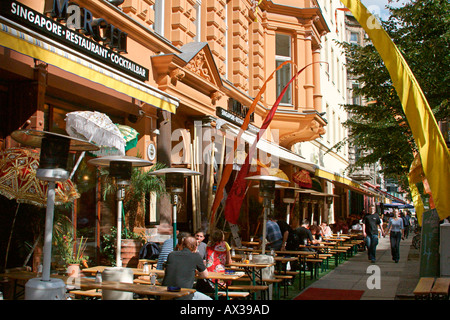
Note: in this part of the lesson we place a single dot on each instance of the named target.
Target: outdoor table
(214, 277)
(301, 256)
(281, 262)
(336, 239)
(141, 289)
(151, 263)
(253, 270)
(250, 243)
(160, 273)
(24, 276)
(136, 271)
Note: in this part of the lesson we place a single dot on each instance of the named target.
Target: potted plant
(70, 251)
(109, 246)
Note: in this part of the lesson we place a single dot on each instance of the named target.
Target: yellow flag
(433, 151)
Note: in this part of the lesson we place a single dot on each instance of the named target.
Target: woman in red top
(217, 252)
(217, 256)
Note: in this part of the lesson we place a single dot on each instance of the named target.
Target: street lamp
(175, 186)
(53, 167)
(120, 168)
(267, 192)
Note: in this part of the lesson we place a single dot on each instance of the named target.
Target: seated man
(273, 234)
(305, 236)
(181, 267)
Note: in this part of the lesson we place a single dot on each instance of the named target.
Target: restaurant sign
(94, 37)
(234, 119)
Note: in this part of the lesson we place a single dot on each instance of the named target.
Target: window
(198, 20)
(282, 54)
(158, 25)
(356, 99)
(327, 110)
(354, 38)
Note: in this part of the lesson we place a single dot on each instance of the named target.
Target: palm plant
(141, 184)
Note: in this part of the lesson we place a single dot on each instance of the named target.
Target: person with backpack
(406, 223)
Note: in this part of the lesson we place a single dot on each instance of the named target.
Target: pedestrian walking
(371, 225)
(396, 233)
(406, 223)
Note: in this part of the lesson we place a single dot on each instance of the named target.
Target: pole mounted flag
(229, 163)
(237, 193)
(433, 151)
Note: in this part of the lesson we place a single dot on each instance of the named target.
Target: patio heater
(175, 186)
(289, 198)
(120, 168)
(52, 167)
(267, 192)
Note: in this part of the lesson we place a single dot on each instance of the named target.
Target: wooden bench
(284, 273)
(314, 263)
(423, 288)
(338, 255)
(275, 281)
(234, 294)
(87, 294)
(249, 288)
(440, 289)
(325, 257)
(286, 281)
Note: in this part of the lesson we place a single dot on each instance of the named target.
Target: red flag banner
(237, 193)
(229, 163)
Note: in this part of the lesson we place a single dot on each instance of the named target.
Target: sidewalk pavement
(398, 280)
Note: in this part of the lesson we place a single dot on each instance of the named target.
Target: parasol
(129, 134)
(277, 172)
(302, 178)
(18, 181)
(94, 127)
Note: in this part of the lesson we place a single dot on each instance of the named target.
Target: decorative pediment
(194, 66)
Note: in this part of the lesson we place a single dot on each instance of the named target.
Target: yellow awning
(343, 181)
(59, 57)
(335, 177)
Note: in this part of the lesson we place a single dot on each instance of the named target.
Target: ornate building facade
(183, 73)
